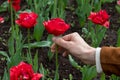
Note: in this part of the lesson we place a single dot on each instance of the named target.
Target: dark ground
(65, 67)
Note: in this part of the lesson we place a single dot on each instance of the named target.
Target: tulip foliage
(34, 23)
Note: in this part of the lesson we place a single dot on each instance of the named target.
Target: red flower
(1, 19)
(23, 71)
(118, 2)
(56, 26)
(27, 20)
(15, 4)
(100, 18)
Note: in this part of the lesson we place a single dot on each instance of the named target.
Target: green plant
(88, 72)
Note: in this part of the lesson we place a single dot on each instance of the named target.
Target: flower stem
(29, 41)
(57, 65)
(55, 9)
(29, 48)
(11, 14)
(56, 56)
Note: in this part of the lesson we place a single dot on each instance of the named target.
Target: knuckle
(75, 33)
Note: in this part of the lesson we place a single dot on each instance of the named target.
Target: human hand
(75, 45)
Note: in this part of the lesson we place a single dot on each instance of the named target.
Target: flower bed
(31, 42)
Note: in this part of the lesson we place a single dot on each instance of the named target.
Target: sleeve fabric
(110, 60)
(97, 59)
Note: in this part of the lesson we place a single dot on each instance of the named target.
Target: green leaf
(50, 55)
(44, 71)
(14, 60)
(29, 58)
(118, 8)
(104, 1)
(102, 76)
(35, 62)
(70, 77)
(38, 44)
(73, 63)
(5, 54)
(114, 77)
(11, 46)
(5, 76)
(39, 29)
(118, 39)
(4, 6)
(88, 72)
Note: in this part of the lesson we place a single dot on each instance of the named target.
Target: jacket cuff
(97, 59)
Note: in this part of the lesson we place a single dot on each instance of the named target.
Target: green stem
(56, 56)
(35, 6)
(92, 2)
(57, 65)
(55, 9)
(29, 41)
(29, 48)
(11, 14)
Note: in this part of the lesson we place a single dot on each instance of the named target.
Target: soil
(65, 67)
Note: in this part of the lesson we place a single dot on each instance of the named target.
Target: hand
(76, 46)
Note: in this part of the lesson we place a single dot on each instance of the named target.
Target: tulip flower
(15, 4)
(27, 20)
(1, 19)
(23, 71)
(118, 2)
(56, 26)
(100, 18)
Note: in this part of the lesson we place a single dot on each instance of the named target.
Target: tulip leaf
(107, 1)
(38, 44)
(5, 75)
(14, 60)
(88, 72)
(39, 29)
(102, 76)
(74, 63)
(118, 8)
(118, 39)
(3, 6)
(5, 55)
(35, 62)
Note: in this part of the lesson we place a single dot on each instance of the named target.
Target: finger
(65, 53)
(53, 47)
(61, 42)
(71, 36)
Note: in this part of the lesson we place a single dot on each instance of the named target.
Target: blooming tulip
(56, 26)
(15, 4)
(1, 19)
(27, 20)
(23, 71)
(100, 18)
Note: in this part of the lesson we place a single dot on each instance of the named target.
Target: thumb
(61, 42)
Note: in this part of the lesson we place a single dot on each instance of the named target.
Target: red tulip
(15, 4)
(1, 19)
(56, 26)
(118, 2)
(27, 20)
(23, 71)
(100, 18)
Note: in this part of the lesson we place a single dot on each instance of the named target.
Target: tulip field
(28, 26)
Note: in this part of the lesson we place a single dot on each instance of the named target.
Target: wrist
(89, 56)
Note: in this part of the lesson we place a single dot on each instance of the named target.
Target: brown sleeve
(110, 60)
